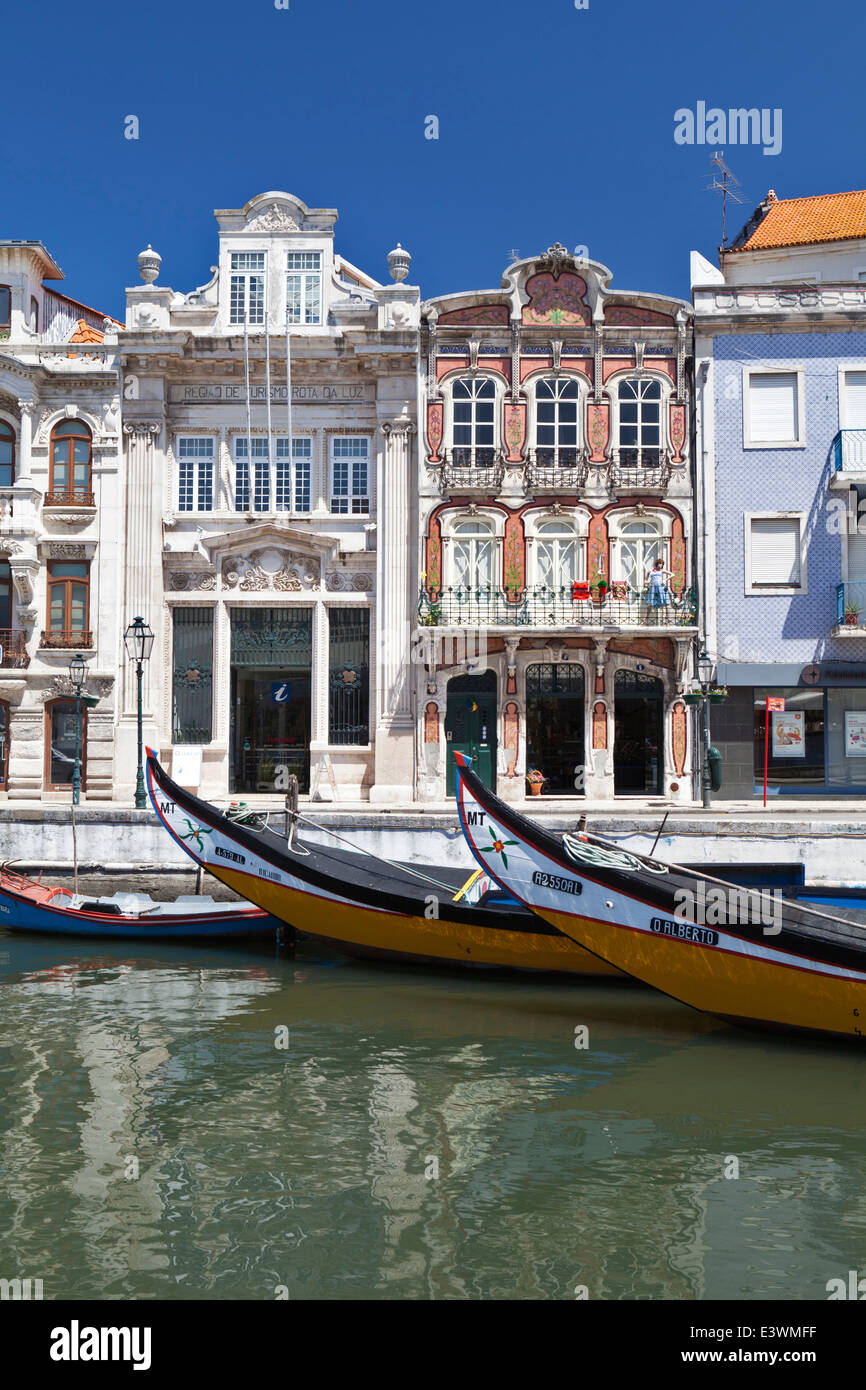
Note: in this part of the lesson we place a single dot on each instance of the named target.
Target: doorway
(638, 746)
(470, 726)
(555, 720)
(271, 687)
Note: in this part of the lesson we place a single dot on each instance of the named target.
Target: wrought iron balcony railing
(849, 451)
(557, 468)
(472, 470)
(69, 497)
(544, 606)
(66, 640)
(13, 648)
(643, 468)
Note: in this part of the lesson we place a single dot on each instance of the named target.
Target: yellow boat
(363, 905)
(804, 969)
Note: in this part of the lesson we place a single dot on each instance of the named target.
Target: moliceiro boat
(799, 968)
(365, 905)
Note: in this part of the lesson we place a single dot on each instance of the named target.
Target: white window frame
(306, 275)
(580, 411)
(196, 461)
(247, 274)
(844, 368)
(794, 369)
(350, 495)
(474, 448)
(254, 472)
(764, 590)
(282, 456)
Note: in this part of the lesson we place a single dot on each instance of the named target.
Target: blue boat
(27, 906)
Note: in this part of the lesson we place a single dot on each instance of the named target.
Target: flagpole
(289, 413)
(270, 465)
(250, 499)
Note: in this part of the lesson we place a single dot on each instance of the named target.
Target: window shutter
(773, 407)
(854, 410)
(775, 551)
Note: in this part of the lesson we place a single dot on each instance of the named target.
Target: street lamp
(77, 672)
(706, 667)
(138, 640)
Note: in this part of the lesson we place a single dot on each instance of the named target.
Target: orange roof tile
(804, 221)
(83, 334)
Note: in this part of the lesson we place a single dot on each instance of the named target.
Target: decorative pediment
(272, 568)
(265, 533)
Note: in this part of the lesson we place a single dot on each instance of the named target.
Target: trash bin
(714, 759)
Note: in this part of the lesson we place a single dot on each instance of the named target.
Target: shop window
(192, 676)
(349, 676)
(71, 448)
(795, 748)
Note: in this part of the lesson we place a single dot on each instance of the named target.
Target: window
(262, 491)
(7, 454)
(774, 551)
(349, 676)
(772, 409)
(472, 553)
(636, 549)
(350, 466)
(640, 406)
(301, 464)
(195, 457)
(853, 400)
(473, 403)
(68, 604)
(558, 555)
(247, 296)
(304, 287)
(34, 314)
(64, 737)
(556, 406)
(4, 744)
(5, 605)
(5, 310)
(192, 676)
(70, 464)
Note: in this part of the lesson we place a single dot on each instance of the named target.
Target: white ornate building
(60, 529)
(270, 511)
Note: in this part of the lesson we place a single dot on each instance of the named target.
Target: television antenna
(726, 182)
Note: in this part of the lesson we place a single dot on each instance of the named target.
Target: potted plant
(718, 694)
(599, 586)
(852, 615)
(536, 781)
(693, 697)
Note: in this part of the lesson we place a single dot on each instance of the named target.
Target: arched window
(557, 400)
(640, 413)
(71, 445)
(473, 401)
(558, 554)
(473, 549)
(7, 454)
(5, 310)
(635, 550)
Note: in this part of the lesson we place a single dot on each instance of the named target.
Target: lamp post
(77, 672)
(138, 640)
(706, 668)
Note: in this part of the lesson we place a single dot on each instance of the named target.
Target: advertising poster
(789, 734)
(855, 733)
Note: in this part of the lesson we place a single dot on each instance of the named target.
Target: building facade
(780, 350)
(270, 423)
(61, 544)
(555, 476)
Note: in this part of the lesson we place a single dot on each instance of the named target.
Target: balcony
(472, 470)
(544, 607)
(556, 470)
(849, 458)
(78, 640)
(7, 505)
(13, 648)
(71, 497)
(850, 610)
(646, 470)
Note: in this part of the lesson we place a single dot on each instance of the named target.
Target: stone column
(25, 440)
(394, 748)
(142, 593)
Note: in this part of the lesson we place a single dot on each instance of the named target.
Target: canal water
(423, 1135)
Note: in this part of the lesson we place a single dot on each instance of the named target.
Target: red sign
(776, 704)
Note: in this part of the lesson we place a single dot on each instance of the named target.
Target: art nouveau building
(269, 418)
(60, 529)
(555, 473)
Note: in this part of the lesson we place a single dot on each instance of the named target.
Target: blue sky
(554, 124)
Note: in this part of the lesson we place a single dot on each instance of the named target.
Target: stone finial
(149, 262)
(771, 196)
(398, 263)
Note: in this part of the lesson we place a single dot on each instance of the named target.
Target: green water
(313, 1168)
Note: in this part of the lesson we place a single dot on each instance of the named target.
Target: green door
(470, 726)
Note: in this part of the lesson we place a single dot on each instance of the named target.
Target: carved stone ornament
(276, 219)
(180, 581)
(70, 519)
(270, 568)
(142, 427)
(350, 581)
(556, 259)
(67, 550)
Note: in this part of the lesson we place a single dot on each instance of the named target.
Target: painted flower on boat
(196, 832)
(498, 846)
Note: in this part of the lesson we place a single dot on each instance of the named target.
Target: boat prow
(706, 943)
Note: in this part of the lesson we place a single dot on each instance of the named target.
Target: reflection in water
(425, 1135)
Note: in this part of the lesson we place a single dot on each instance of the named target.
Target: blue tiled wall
(780, 628)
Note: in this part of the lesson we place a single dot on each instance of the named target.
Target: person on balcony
(658, 588)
